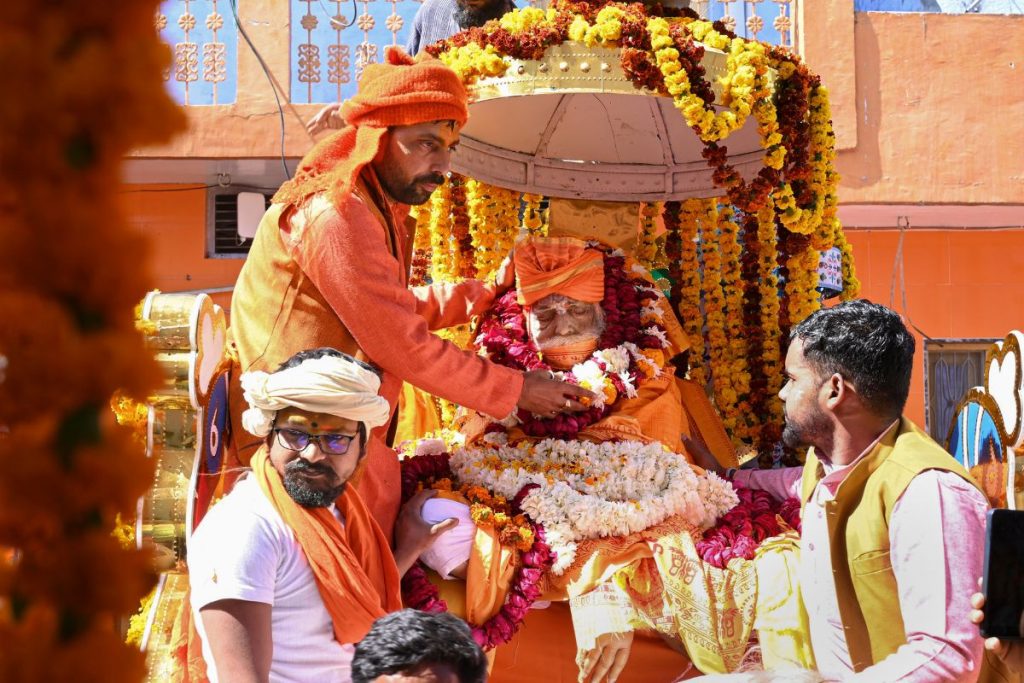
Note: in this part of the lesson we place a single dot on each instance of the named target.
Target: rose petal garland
(419, 593)
(742, 529)
(71, 272)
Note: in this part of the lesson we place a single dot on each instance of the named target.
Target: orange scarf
(353, 565)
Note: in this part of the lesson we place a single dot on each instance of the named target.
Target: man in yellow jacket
(893, 526)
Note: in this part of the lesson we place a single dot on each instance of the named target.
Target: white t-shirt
(243, 550)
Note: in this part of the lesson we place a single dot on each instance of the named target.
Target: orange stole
(353, 565)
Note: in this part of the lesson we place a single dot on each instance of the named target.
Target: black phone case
(1003, 578)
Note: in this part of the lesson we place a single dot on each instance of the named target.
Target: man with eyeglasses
(289, 570)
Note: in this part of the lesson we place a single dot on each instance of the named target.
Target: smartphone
(1003, 583)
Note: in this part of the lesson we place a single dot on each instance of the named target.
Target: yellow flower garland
(71, 272)
(736, 371)
(444, 252)
(689, 305)
(533, 217)
(769, 289)
(493, 225)
(647, 244)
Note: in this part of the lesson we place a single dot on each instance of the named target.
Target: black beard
(792, 437)
(413, 194)
(468, 17)
(303, 491)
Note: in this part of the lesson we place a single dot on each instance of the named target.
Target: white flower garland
(589, 490)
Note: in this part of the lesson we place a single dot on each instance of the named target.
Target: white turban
(328, 384)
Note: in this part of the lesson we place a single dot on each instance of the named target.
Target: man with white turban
(289, 570)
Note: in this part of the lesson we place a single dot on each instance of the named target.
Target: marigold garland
(493, 225)
(444, 256)
(533, 216)
(661, 50)
(420, 270)
(71, 272)
(688, 273)
(771, 362)
(647, 243)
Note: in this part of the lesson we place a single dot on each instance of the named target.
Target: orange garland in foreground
(84, 87)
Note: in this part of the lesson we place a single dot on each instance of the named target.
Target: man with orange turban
(330, 262)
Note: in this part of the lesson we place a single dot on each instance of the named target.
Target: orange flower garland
(533, 217)
(771, 431)
(647, 244)
(71, 271)
(444, 253)
(689, 287)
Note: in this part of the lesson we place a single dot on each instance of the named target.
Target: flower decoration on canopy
(777, 222)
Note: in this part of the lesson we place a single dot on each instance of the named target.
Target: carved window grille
(952, 367)
(204, 42)
(773, 21)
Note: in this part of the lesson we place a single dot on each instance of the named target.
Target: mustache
(432, 178)
(300, 466)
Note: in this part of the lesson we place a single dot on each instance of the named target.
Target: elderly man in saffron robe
(589, 312)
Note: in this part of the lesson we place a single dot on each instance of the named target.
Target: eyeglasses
(295, 440)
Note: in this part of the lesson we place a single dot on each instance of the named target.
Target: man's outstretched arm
(239, 636)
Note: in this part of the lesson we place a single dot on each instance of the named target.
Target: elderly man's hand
(604, 664)
(1010, 652)
(328, 117)
(543, 395)
(413, 535)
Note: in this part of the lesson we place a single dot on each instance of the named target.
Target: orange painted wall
(959, 283)
(175, 221)
(940, 110)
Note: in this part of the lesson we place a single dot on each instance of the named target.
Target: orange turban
(400, 92)
(558, 265)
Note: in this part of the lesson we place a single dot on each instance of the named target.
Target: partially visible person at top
(893, 526)
(435, 20)
(410, 646)
(329, 266)
(289, 570)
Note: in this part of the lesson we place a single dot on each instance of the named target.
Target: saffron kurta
(337, 276)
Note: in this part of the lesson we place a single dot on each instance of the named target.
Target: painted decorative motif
(986, 434)
(203, 39)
